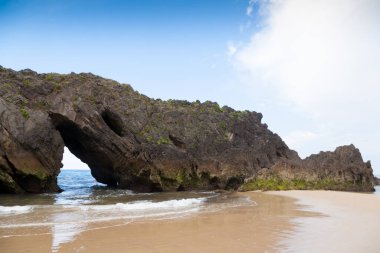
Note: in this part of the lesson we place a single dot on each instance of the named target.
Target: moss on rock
(278, 184)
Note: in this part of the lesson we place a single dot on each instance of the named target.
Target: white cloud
(297, 139)
(321, 57)
(317, 53)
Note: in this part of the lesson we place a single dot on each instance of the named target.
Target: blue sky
(164, 49)
(275, 57)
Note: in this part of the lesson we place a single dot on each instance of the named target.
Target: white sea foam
(147, 205)
(74, 214)
(63, 217)
(4, 210)
(125, 218)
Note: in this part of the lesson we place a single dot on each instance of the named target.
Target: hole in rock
(113, 121)
(233, 183)
(74, 173)
(86, 147)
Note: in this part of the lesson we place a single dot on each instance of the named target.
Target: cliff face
(131, 141)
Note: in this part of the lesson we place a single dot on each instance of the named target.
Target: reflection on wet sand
(63, 231)
(254, 228)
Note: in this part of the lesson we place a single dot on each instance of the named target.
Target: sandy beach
(293, 221)
(258, 228)
(350, 222)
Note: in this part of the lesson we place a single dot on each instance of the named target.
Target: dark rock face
(343, 169)
(131, 141)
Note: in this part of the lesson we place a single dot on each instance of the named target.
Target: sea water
(377, 190)
(85, 201)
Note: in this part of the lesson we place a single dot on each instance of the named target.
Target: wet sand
(350, 222)
(294, 221)
(259, 228)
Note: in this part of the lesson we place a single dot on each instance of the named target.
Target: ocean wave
(15, 209)
(77, 216)
(147, 205)
(126, 219)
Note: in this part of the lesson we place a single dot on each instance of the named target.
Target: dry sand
(333, 222)
(350, 222)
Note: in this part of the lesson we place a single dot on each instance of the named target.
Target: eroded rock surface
(343, 169)
(132, 141)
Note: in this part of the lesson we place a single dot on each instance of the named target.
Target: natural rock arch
(131, 141)
(84, 147)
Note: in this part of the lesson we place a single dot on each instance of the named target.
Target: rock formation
(377, 181)
(342, 170)
(131, 141)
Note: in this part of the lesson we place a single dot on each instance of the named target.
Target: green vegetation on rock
(179, 145)
(57, 87)
(163, 140)
(26, 82)
(24, 113)
(42, 104)
(278, 184)
(49, 77)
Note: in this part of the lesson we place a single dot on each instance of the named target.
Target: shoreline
(285, 221)
(258, 228)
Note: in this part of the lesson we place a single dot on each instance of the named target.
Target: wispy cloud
(231, 49)
(323, 58)
(249, 9)
(245, 26)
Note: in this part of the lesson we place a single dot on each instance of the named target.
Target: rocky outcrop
(343, 169)
(131, 141)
